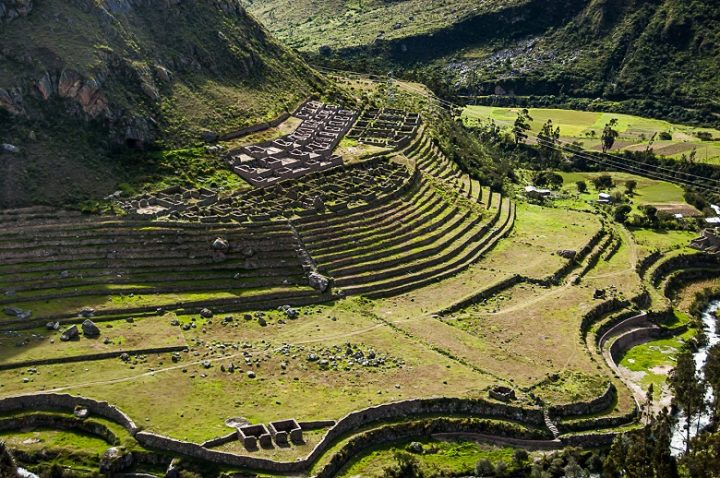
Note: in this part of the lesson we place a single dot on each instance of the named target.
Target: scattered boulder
(9, 148)
(290, 312)
(87, 312)
(567, 254)
(599, 294)
(318, 281)
(206, 313)
(248, 252)
(81, 412)
(70, 334)
(209, 136)
(124, 357)
(221, 245)
(53, 326)
(90, 329)
(251, 374)
(415, 447)
(17, 312)
(115, 459)
(206, 364)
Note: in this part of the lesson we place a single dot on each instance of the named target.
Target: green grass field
(652, 361)
(439, 458)
(586, 127)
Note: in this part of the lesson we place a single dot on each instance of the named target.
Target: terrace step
(421, 278)
(421, 222)
(415, 237)
(398, 276)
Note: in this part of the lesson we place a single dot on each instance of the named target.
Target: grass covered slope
(82, 77)
(661, 54)
(307, 24)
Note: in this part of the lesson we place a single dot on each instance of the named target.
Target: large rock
(318, 281)
(9, 148)
(116, 459)
(71, 333)
(221, 245)
(567, 254)
(90, 329)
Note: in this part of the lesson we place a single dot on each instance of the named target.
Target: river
(710, 326)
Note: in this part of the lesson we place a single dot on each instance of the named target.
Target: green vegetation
(210, 70)
(635, 133)
(655, 58)
(653, 360)
(436, 458)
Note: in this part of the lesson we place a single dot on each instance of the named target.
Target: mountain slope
(80, 78)
(664, 51)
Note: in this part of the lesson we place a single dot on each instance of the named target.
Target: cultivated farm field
(587, 126)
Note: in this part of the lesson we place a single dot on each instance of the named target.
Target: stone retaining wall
(483, 294)
(59, 422)
(66, 403)
(683, 261)
(406, 431)
(90, 357)
(645, 264)
(597, 405)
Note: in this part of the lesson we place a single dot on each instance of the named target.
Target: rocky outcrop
(70, 84)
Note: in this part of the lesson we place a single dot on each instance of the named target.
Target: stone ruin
(709, 241)
(308, 149)
(254, 435)
(282, 431)
(502, 393)
(385, 127)
(333, 190)
(285, 430)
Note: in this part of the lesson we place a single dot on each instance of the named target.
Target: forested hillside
(658, 56)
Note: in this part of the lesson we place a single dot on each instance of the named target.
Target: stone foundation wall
(66, 403)
(59, 422)
(90, 357)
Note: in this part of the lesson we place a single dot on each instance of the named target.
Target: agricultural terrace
(671, 140)
(402, 284)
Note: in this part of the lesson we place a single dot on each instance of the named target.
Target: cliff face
(81, 77)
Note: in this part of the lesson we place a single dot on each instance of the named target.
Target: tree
(703, 458)
(548, 178)
(621, 213)
(647, 406)
(581, 187)
(547, 141)
(630, 186)
(522, 126)
(688, 390)
(650, 212)
(643, 453)
(609, 135)
(604, 181)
